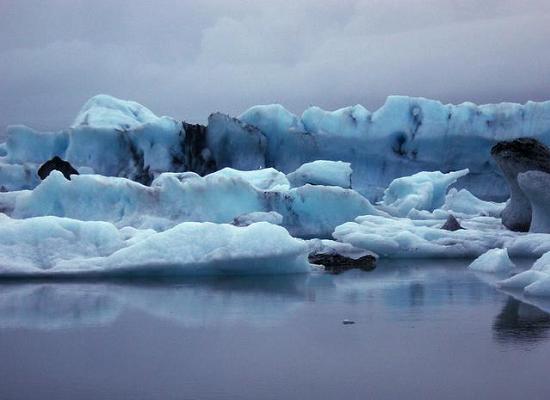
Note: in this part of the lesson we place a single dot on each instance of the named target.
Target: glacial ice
(259, 216)
(56, 247)
(140, 188)
(322, 172)
(494, 261)
(262, 179)
(406, 135)
(308, 211)
(423, 238)
(462, 202)
(421, 191)
(533, 282)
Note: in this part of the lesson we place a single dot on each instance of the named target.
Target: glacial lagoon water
(423, 330)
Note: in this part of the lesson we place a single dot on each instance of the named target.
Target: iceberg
(462, 202)
(421, 191)
(322, 172)
(423, 238)
(113, 137)
(494, 260)
(308, 211)
(533, 282)
(61, 247)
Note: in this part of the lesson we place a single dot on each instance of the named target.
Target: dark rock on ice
(57, 164)
(451, 224)
(337, 263)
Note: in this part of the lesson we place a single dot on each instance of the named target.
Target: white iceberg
(62, 247)
(421, 191)
(494, 260)
(322, 172)
(308, 211)
(423, 238)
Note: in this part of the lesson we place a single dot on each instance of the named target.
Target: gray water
(423, 330)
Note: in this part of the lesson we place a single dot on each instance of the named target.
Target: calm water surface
(423, 330)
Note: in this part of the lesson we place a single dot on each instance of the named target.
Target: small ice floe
(494, 260)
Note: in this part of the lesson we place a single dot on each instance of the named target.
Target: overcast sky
(187, 59)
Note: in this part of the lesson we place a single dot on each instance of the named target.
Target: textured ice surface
(534, 282)
(406, 135)
(494, 260)
(423, 238)
(421, 191)
(263, 179)
(322, 172)
(308, 211)
(52, 246)
(247, 219)
(465, 203)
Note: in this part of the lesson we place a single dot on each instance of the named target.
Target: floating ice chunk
(522, 279)
(51, 246)
(263, 179)
(248, 219)
(421, 191)
(494, 260)
(464, 202)
(322, 172)
(308, 211)
(535, 282)
(406, 238)
(39, 244)
(205, 249)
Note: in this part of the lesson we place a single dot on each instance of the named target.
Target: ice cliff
(406, 135)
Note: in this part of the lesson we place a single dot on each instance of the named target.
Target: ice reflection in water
(396, 285)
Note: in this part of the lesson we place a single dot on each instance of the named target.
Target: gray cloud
(189, 58)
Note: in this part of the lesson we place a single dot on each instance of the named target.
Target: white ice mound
(263, 179)
(465, 203)
(406, 238)
(322, 172)
(535, 281)
(104, 111)
(209, 249)
(42, 243)
(494, 260)
(51, 246)
(421, 191)
(308, 211)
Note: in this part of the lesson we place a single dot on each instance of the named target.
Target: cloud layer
(189, 58)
